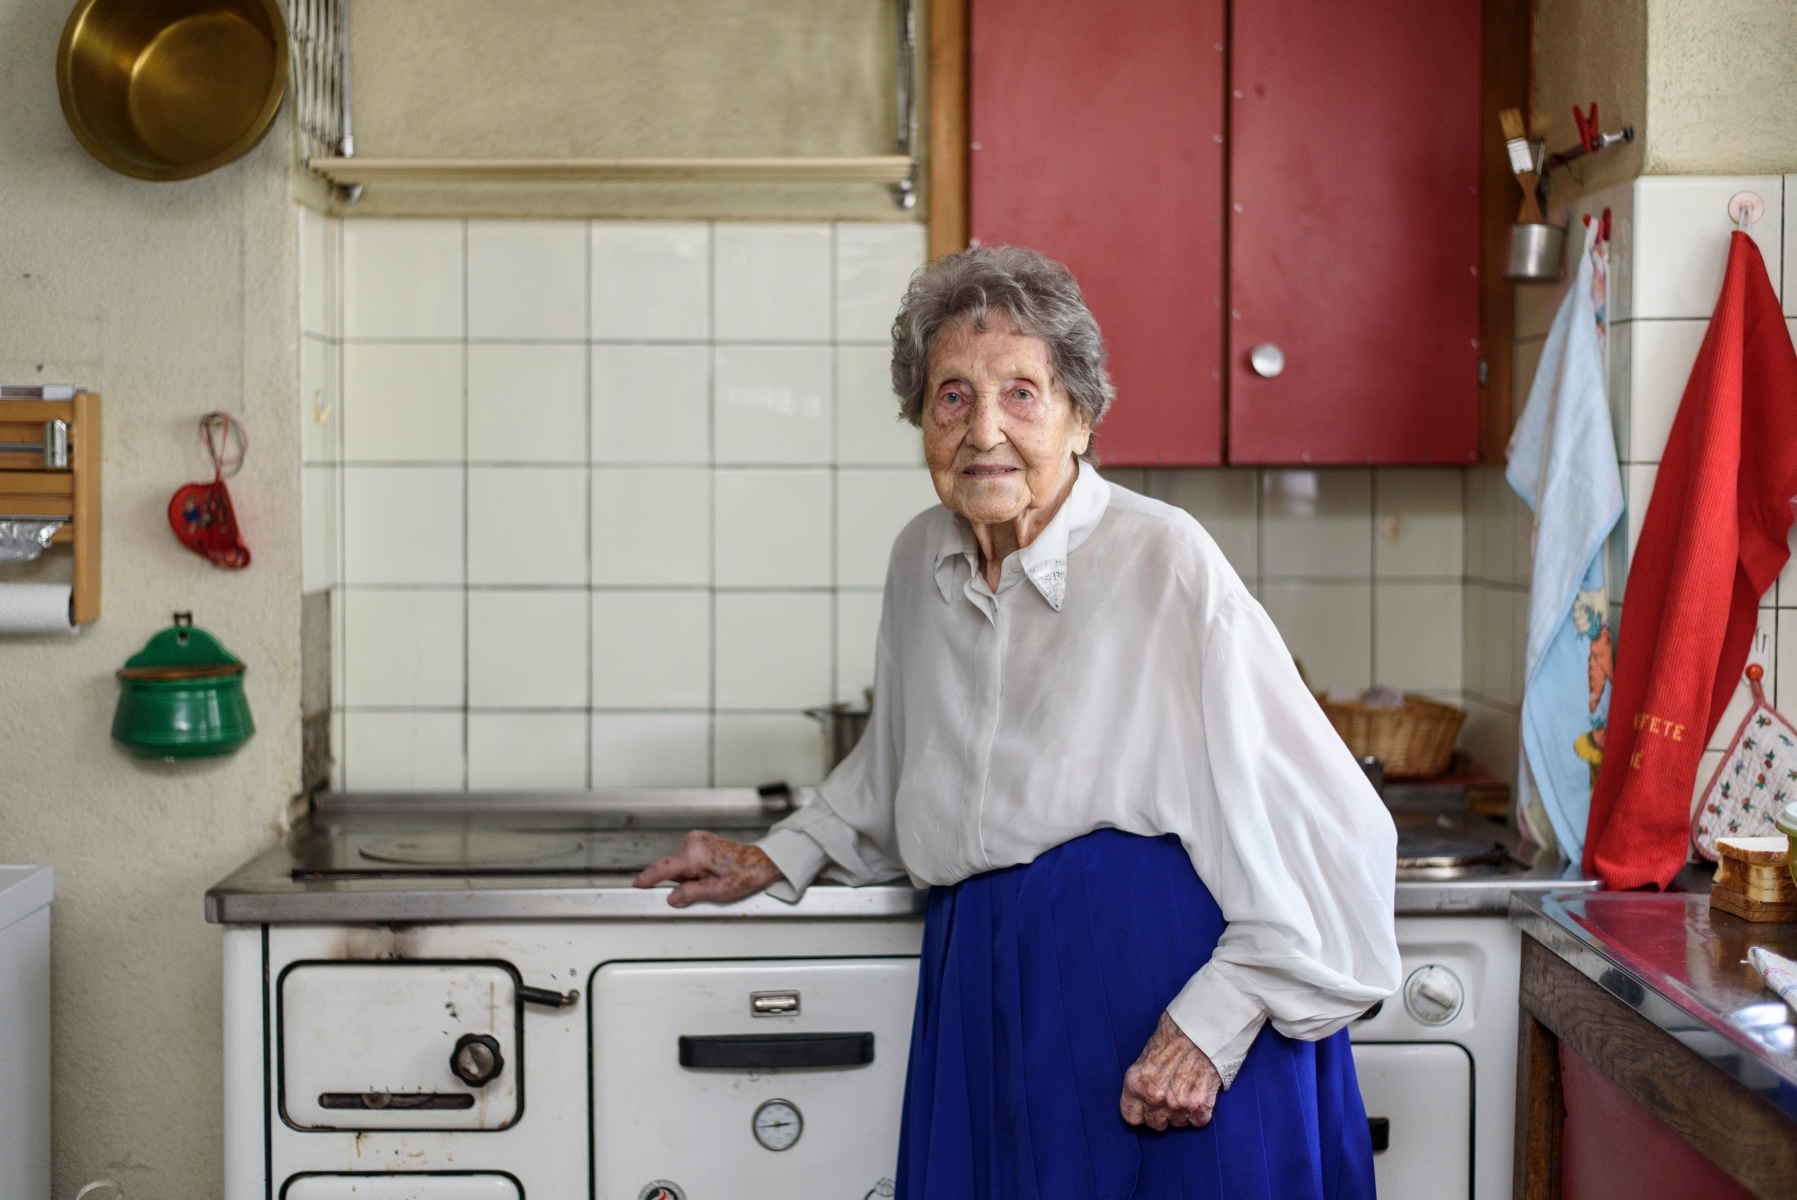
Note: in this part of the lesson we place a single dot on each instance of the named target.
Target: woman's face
(999, 434)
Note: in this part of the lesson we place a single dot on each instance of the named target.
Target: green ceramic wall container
(181, 696)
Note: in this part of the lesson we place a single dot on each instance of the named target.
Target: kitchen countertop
(1683, 967)
(338, 866)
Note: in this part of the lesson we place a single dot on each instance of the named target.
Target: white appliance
(461, 998)
(25, 895)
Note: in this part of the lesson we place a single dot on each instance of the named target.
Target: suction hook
(1745, 209)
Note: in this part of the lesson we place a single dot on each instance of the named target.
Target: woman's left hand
(1173, 1083)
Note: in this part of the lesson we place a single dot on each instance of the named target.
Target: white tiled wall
(609, 503)
(601, 503)
(1670, 241)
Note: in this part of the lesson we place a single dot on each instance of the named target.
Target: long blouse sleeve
(1295, 846)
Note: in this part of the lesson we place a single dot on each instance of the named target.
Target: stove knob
(1433, 995)
(477, 1061)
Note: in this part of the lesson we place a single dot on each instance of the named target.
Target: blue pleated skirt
(1040, 985)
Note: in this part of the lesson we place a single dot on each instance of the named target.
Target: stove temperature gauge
(777, 1124)
(1433, 994)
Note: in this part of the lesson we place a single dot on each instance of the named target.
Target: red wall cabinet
(1100, 134)
(1097, 137)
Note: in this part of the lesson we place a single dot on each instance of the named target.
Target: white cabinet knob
(1267, 360)
(1434, 995)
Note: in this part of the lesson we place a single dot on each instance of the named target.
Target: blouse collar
(1043, 561)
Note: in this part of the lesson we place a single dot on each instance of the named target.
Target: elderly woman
(1160, 886)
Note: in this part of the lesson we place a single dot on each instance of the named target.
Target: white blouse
(1121, 677)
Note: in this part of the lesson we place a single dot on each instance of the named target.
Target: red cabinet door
(1097, 132)
(1354, 235)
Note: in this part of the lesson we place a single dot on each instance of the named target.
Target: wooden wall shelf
(71, 494)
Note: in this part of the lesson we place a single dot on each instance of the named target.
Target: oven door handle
(773, 1051)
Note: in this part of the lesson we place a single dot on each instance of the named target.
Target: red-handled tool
(201, 513)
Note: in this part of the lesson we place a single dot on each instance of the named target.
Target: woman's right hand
(708, 867)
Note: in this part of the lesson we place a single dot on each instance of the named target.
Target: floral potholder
(1757, 778)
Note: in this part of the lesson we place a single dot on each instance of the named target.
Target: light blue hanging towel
(1562, 462)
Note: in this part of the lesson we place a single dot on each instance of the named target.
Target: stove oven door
(1419, 1102)
(400, 1045)
(749, 1078)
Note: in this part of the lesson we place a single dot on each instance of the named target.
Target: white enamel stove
(461, 998)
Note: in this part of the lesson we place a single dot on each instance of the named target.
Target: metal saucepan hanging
(170, 89)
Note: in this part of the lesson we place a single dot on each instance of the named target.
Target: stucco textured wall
(601, 78)
(1588, 50)
(169, 299)
(1721, 86)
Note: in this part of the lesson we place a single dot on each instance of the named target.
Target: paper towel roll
(35, 608)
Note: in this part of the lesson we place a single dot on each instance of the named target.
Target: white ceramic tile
(1317, 523)
(1418, 522)
(651, 404)
(1498, 651)
(337, 743)
(1762, 652)
(527, 404)
(651, 749)
(1661, 355)
(869, 430)
(1222, 499)
(1522, 537)
(320, 412)
(1472, 632)
(874, 262)
(771, 404)
(315, 273)
(402, 279)
(857, 631)
(1681, 239)
(1489, 736)
(751, 749)
(1416, 635)
(1784, 591)
(1328, 627)
(402, 525)
(1637, 483)
(527, 525)
(773, 650)
(402, 649)
(773, 282)
(651, 280)
(1479, 502)
(1783, 676)
(318, 528)
(527, 279)
(651, 649)
(1620, 371)
(402, 751)
(1519, 647)
(773, 528)
(527, 649)
(1790, 250)
(527, 750)
(872, 506)
(1706, 770)
(651, 525)
(402, 402)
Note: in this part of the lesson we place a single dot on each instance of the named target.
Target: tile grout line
(467, 620)
(711, 490)
(586, 240)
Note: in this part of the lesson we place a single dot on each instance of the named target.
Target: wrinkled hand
(1173, 1083)
(709, 867)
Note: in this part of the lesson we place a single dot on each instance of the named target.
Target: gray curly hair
(1036, 292)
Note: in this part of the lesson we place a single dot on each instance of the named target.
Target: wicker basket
(1415, 741)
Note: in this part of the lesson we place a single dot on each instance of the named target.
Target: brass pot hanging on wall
(170, 89)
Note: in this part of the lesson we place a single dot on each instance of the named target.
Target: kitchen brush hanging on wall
(320, 33)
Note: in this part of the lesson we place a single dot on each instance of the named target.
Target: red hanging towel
(1712, 543)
